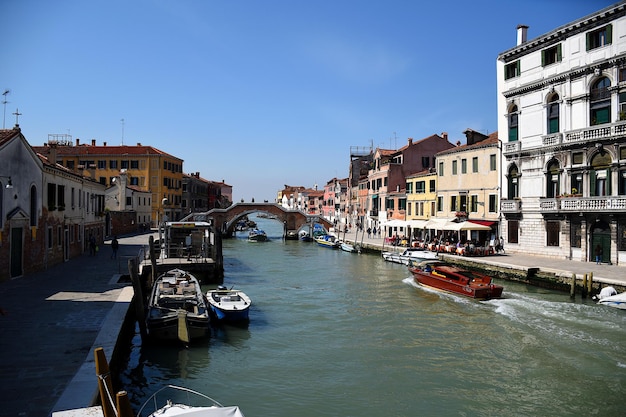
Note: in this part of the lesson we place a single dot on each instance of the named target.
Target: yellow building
(147, 168)
(421, 195)
(468, 186)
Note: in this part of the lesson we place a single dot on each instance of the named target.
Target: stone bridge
(226, 219)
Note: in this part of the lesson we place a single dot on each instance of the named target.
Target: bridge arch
(226, 219)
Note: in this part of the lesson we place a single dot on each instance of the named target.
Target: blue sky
(262, 93)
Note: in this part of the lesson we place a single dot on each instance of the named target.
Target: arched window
(600, 175)
(513, 182)
(552, 180)
(513, 127)
(600, 101)
(33, 206)
(553, 114)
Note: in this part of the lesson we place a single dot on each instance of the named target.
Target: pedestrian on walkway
(501, 244)
(114, 247)
(598, 254)
(92, 245)
(374, 232)
(369, 232)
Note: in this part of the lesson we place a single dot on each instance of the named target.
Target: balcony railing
(591, 133)
(511, 206)
(581, 204)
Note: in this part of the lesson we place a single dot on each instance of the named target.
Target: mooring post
(153, 265)
(123, 405)
(590, 287)
(572, 290)
(105, 387)
(138, 299)
(583, 291)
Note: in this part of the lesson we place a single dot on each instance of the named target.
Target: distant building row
(53, 198)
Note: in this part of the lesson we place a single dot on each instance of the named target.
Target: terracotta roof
(84, 150)
(8, 134)
(492, 139)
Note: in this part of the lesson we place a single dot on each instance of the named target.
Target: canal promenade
(55, 318)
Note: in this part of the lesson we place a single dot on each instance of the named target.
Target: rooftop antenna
(17, 115)
(122, 131)
(4, 101)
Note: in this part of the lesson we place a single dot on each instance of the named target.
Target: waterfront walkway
(55, 318)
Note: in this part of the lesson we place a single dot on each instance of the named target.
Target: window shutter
(519, 68)
(608, 182)
(609, 34)
(592, 183)
(559, 53)
(588, 38)
(543, 58)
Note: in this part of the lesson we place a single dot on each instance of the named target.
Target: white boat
(327, 241)
(414, 255)
(177, 308)
(609, 297)
(257, 235)
(347, 247)
(171, 407)
(229, 305)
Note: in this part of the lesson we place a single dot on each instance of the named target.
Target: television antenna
(122, 131)
(4, 102)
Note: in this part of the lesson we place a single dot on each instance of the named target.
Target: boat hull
(327, 241)
(410, 256)
(229, 305)
(456, 281)
(615, 301)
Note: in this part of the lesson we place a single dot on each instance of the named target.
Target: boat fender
(468, 289)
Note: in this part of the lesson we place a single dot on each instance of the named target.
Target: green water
(339, 334)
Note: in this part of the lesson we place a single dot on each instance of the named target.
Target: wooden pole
(123, 405)
(153, 272)
(572, 290)
(105, 387)
(583, 292)
(140, 311)
(590, 284)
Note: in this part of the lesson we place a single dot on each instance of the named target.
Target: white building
(562, 120)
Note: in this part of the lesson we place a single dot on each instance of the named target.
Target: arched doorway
(600, 236)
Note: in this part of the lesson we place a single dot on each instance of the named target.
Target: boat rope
(104, 377)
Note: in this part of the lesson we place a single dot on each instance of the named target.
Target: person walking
(598, 254)
(501, 244)
(92, 245)
(114, 247)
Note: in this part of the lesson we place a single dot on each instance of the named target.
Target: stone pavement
(56, 317)
(604, 273)
(51, 320)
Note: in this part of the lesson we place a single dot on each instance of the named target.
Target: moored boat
(409, 255)
(348, 247)
(327, 241)
(207, 406)
(609, 297)
(228, 304)
(449, 278)
(257, 235)
(177, 308)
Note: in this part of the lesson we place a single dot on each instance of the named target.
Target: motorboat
(348, 247)
(408, 255)
(449, 278)
(609, 297)
(228, 304)
(172, 407)
(257, 235)
(327, 241)
(177, 308)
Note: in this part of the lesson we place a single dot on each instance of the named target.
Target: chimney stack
(52, 156)
(77, 142)
(410, 141)
(93, 142)
(104, 144)
(444, 135)
(522, 34)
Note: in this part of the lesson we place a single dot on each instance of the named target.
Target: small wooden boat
(207, 406)
(347, 247)
(327, 241)
(449, 278)
(409, 255)
(177, 308)
(229, 305)
(257, 235)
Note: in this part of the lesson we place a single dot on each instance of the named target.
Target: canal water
(339, 334)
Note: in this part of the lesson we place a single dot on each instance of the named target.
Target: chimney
(444, 135)
(77, 142)
(93, 142)
(522, 34)
(104, 144)
(52, 156)
(410, 141)
(458, 143)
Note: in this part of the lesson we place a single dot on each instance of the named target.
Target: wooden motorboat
(228, 304)
(257, 235)
(348, 247)
(177, 308)
(206, 406)
(414, 255)
(449, 278)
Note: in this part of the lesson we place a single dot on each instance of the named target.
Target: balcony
(511, 206)
(605, 204)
